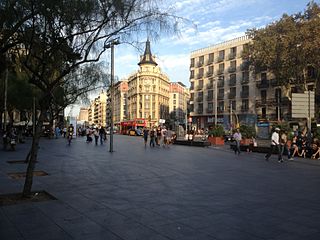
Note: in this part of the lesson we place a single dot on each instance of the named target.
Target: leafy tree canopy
(289, 47)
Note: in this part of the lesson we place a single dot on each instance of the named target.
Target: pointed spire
(147, 56)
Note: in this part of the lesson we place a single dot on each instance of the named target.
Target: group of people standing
(96, 133)
(158, 136)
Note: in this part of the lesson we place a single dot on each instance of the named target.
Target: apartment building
(83, 114)
(97, 110)
(120, 99)
(222, 87)
(179, 96)
(148, 90)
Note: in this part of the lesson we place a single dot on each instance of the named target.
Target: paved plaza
(176, 193)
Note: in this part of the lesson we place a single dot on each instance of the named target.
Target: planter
(216, 140)
(245, 141)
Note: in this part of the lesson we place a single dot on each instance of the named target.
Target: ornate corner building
(148, 90)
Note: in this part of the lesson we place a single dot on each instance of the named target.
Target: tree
(289, 48)
(65, 38)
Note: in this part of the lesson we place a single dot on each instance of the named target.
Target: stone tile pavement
(172, 193)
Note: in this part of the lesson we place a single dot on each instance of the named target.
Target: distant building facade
(97, 110)
(120, 102)
(178, 99)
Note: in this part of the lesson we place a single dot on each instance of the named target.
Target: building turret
(147, 56)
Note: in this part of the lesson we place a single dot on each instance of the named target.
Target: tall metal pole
(5, 95)
(111, 45)
(111, 96)
(216, 103)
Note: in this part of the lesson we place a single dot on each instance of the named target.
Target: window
(192, 62)
(200, 72)
(174, 101)
(201, 60)
(174, 96)
(211, 58)
(245, 104)
(233, 105)
(221, 55)
(192, 74)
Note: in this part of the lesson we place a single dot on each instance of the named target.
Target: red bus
(136, 124)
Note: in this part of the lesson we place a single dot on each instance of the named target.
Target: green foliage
(247, 131)
(217, 131)
(289, 47)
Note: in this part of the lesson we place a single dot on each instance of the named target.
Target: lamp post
(5, 95)
(111, 45)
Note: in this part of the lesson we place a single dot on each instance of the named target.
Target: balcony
(210, 61)
(220, 71)
(209, 110)
(244, 66)
(220, 96)
(209, 74)
(232, 69)
(220, 59)
(263, 84)
(192, 65)
(210, 86)
(200, 111)
(200, 64)
(220, 110)
(200, 87)
(199, 99)
(271, 102)
(209, 98)
(192, 88)
(232, 55)
(244, 94)
(232, 95)
(245, 80)
(232, 82)
(220, 84)
(200, 75)
(191, 76)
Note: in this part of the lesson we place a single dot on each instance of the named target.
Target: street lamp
(111, 45)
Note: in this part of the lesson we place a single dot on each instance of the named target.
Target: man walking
(237, 138)
(274, 145)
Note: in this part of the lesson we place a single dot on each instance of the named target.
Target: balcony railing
(244, 66)
(245, 80)
(232, 95)
(209, 86)
(232, 82)
(263, 84)
(209, 98)
(209, 110)
(200, 64)
(209, 74)
(200, 111)
(199, 87)
(244, 94)
(271, 102)
(199, 99)
(232, 55)
(199, 75)
(210, 61)
(220, 59)
(220, 83)
(220, 71)
(220, 96)
(232, 69)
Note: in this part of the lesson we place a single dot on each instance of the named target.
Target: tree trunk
(33, 156)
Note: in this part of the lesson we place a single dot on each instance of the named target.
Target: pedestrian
(96, 135)
(57, 131)
(237, 138)
(145, 136)
(274, 145)
(158, 139)
(152, 137)
(294, 147)
(164, 136)
(102, 134)
(284, 144)
(64, 131)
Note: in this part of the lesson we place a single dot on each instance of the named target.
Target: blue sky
(216, 21)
